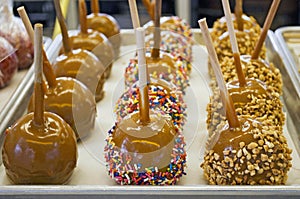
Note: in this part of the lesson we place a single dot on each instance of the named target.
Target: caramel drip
(38, 155)
(240, 94)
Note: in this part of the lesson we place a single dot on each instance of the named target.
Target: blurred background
(190, 10)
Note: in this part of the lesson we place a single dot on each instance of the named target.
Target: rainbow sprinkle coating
(180, 78)
(121, 169)
(160, 99)
(175, 44)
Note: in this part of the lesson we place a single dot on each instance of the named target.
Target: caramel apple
(105, 24)
(40, 148)
(144, 148)
(160, 64)
(254, 100)
(253, 154)
(79, 64)
(8, 62)
(92, 41)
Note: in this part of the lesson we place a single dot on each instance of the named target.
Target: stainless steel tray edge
(291, 94)
(286, 54)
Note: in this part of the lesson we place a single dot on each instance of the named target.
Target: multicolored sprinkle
(124, 172)
(160, 99)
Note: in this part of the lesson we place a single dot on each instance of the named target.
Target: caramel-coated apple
(105, 24)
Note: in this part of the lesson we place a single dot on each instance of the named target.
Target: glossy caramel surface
(240, 94)
(150, 144)
(40, 155)
(83, 66)
(74, 102)
(229, 138)
(96, 43)
(164, 64)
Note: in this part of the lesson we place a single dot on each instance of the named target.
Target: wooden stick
(266, 27)
(136, 24)
(226, 99)
(82, 17)
(149, 7)
(157, 37)
(47, 68)
(238, 10)
(234, 45)
(143, 88)
(38, 118)
(134, 14)
(63, 27)
(95, 6)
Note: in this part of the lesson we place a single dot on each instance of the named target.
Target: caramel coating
(149, 145)
(40, 155)
(96, 43)
(255, 101)
(83, 66)
(255, 154)
(72, 101)
(107, 25)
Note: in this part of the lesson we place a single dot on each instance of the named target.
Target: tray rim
(286, 54)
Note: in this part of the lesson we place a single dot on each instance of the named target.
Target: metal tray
(90, 179)
(289, 40)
